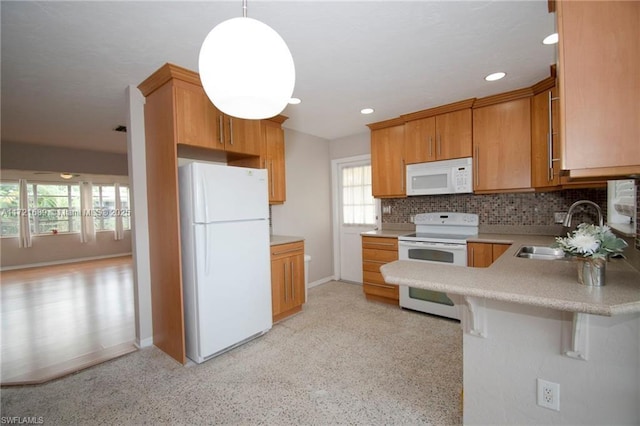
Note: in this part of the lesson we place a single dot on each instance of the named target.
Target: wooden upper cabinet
(241, 136)
(197, 122)
(440, 133)
(545, 147)
(195, 116)
(274, 161)
(502, 144)
(387, 161)
(599, 69)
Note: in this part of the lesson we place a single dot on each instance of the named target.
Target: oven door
(430, 302)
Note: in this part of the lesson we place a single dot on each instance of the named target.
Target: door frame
(335, 201)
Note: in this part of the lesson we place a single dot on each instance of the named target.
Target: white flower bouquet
(591, 241)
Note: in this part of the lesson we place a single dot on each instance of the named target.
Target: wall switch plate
(386, 210)
(548, 395)
(558, 217)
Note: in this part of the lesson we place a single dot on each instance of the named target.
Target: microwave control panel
(461, 177)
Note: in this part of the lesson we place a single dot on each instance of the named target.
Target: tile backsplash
(519, 209)
(516, 209)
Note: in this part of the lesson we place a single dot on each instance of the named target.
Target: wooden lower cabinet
(482, 255)
(377, 251)
(287, 279)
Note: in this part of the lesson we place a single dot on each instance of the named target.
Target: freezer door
(233, 273)
(226, 193)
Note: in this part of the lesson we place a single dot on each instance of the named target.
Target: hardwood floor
(60, 319)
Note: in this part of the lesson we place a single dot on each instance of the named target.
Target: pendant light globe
(246, 69)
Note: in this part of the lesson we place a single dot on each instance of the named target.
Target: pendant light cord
(244, 8)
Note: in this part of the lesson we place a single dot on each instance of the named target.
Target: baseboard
(320, 281)
(62, 262)
(144, 343)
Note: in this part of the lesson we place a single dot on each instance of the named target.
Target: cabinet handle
(391, 287)
(430, 146)
(439, 145)
(477, 161)
(231, 131)
(381, 244)
(284, 265)
(291, 282)
(550, 139)
(379, 262)
(276, 253)
(270, 171)
(220, 130)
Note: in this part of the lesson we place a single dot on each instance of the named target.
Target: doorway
(355, 211)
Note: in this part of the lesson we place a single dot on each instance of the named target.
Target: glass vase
(591, 271)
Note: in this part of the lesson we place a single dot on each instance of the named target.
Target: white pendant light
(246, 68)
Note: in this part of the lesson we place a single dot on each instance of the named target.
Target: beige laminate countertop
(386, 233)
(545, 283)
(284, 239)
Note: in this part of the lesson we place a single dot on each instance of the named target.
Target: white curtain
(119, 231)
(23, 224)
(87, 227)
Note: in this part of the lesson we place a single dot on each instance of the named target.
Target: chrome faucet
(569, 216)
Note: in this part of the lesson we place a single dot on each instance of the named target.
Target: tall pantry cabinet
(181, 121)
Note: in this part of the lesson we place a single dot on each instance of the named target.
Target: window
(104, 205)
(357, 200)
(54, 208)
(9, 208)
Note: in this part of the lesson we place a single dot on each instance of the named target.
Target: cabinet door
(387, 162)
(242, 136)
(274, 162)
(545, 166)
(498, 250)
(453, 135)
(278, 283)
(296, 268)
(502, 146)
(420, 140)
(598, 68)
(195, 116)
(479, 255)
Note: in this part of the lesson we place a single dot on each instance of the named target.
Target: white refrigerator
(226, 267)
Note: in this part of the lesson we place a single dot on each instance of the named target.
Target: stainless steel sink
(542, 253)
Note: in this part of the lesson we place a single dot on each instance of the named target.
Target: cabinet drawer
(373, 266)
(373, 277)
(389, 291)
(286, 250)
(384, 256)
(380, 243)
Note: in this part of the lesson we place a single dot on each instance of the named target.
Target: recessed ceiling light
(294, 101)
(495, 76)
(551, 39)
(66, 175)
(366, 110)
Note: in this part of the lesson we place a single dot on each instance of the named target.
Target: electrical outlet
(558, 217)
(386, 210)
(549, 395)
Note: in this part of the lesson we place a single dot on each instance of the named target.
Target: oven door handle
(440, 246)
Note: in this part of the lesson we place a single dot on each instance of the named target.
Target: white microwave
(440, 177)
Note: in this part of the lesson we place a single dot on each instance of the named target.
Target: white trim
(144, 343)
(64, 261)
(335, 214)
(320, 281)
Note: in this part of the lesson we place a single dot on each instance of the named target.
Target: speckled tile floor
(343, 360)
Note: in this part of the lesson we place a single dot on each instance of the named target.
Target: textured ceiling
(65, 65)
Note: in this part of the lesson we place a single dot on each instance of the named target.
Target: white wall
(307, 210)
(61, 248)
(350, 146)
(524, 343)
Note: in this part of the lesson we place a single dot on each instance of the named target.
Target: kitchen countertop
(545, 283)
(284, 239)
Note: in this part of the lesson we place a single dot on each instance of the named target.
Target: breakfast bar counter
(544, 283)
